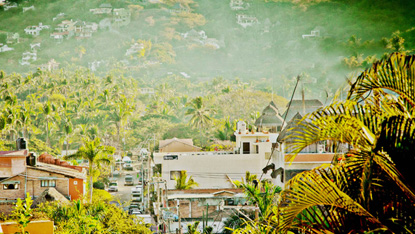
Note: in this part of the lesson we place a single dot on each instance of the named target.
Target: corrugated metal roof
(59, 170)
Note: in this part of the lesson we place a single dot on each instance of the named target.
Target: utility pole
(180, 220)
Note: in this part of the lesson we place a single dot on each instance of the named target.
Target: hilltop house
(20, 173)
(27, 57)
(104, 8)
(35, 29)
(65, 29)
(58, 16)
(34, 45)
(238, 5)
(84, 29)
(28, 8)
(134, 49)
(9, 5)
(147, 91)
(13, 38)
(121, 17)
(50, 66)
(201, 38)
(314, 33)
(245, 20)
(4, 48)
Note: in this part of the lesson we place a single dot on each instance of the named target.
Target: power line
(285, 117)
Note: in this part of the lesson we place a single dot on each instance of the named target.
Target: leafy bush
(99, 185)
(95, 217)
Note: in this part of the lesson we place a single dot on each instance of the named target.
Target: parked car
(135, 197)
(128, 180)
(137, 189)
(128, 167)
(113, 186)
(134, 211)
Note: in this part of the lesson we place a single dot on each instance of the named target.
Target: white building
(217, 169)
(34, 30)
(254, 151)
(28, 8)
(238, 5)
(4, 48)
(245, 20)
(9, 5)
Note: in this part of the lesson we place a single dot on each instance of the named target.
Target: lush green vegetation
(62, 108)
(368, 189)
(353, 34)
(96, 217)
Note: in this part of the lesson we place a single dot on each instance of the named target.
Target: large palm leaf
(381, 130)
(397, 73)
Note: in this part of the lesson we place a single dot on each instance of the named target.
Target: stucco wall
(10, 166)
(210, 170)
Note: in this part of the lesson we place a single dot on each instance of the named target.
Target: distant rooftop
(297, 107)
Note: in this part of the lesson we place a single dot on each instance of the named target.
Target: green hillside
(273, 48)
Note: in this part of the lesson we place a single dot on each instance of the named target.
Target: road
(124, 192)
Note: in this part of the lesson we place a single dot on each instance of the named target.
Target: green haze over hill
(352, 34)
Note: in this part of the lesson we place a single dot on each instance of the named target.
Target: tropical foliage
(183, 181)
(95, 217)
(96, 154)
(61, 108)
(370, 188)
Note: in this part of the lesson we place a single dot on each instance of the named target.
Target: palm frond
(396, 73)
(313, 199)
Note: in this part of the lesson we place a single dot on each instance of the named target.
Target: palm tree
(262, 194)
(122, 110)
(199, 113)
(181, 182)
(95, 153)
(226, 130)
(371, 187)
(49, 117)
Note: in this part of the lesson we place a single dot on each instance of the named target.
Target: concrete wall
(192, 208)
(210, 170)
(10, 166)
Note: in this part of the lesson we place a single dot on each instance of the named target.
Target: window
(10, 186)
(246, 148)
(47, 183)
